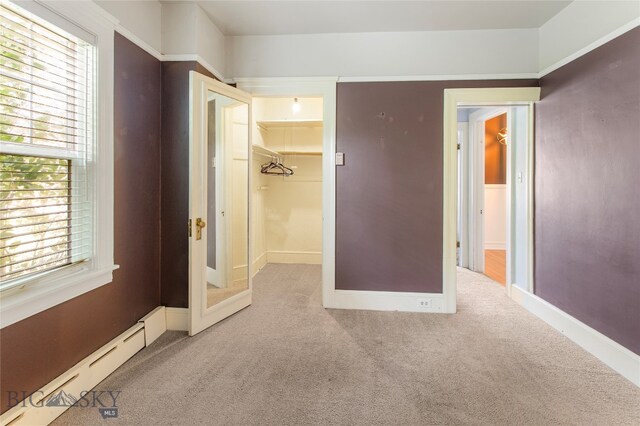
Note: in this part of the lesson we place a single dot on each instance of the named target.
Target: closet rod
(267, 155)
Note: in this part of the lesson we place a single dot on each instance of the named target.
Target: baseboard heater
(84, 376)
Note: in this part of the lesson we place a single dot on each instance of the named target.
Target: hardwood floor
(495, 265)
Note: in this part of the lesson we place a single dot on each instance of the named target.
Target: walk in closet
(287, 180)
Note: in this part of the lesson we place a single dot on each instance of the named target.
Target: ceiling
(315, 17)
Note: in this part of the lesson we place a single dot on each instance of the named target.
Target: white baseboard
(89, 372)
(82, 377)
(303, 257)
(155, 323)
(177, 319)
(239, 272)
(384, 301)
(495, 245)
(259, 263)
(212, 276)
(606, 350)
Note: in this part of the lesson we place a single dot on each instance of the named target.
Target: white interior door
(219, 184)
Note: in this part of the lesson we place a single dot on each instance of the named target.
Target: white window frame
(58, 286)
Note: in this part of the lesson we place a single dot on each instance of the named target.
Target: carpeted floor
(286, 360)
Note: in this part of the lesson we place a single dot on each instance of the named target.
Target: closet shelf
(265, 151)
(268, 124)
(301, 152)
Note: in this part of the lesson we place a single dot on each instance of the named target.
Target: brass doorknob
(199, 225)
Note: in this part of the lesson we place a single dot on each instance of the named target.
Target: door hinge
(458, 244)
(189, 227)
(458, 146)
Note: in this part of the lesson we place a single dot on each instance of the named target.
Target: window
(56, 155)
(46, 127)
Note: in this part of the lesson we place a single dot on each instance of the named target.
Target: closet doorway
(287, 149)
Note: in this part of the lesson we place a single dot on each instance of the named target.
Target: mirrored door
(219, 277)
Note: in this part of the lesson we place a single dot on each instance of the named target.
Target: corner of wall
(581, 27)
(188, 34)
(140, 19)
(211, 42)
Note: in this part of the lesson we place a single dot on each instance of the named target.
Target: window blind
(46, 139)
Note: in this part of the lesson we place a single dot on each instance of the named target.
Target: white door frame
(476, 209)
(312, 87)
(452, 99)
(463, 193)
(202, 316)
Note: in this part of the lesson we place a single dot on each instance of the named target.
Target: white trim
(303, 257)
(463, 194)
(259, 263)
(530, 199)
(33, 298)
(452, 99)
(325, 87)
(155, 324)
(283, 86)
(602, 40)
(200, 60)
(84, 376)
(162, 57)
(439, 77)
(385, 301)
(177, 319)
(64, 284)
(616, 356)
(138, 42)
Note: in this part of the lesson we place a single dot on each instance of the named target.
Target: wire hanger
(275, 167)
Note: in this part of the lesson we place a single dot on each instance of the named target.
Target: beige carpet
(286, 360)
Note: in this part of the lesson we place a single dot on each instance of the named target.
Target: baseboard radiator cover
(53, 399)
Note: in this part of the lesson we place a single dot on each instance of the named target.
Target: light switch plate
(339, 158)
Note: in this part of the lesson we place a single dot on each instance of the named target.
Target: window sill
(21, 303)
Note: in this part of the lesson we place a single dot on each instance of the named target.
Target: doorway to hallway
(492, 192)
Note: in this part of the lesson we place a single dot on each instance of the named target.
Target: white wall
(141, 18)
(183, 28)
(210, 42)
(179, 28)
(259, 192)
(294, 213)
(384, 54)
(187, 30)
(580, 24)
(495, 217)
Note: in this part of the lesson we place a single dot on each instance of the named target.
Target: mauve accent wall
(174, 212)
(587, 197)
(389, 192)
(38, 349)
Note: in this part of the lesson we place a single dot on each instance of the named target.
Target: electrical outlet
(424, 303)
